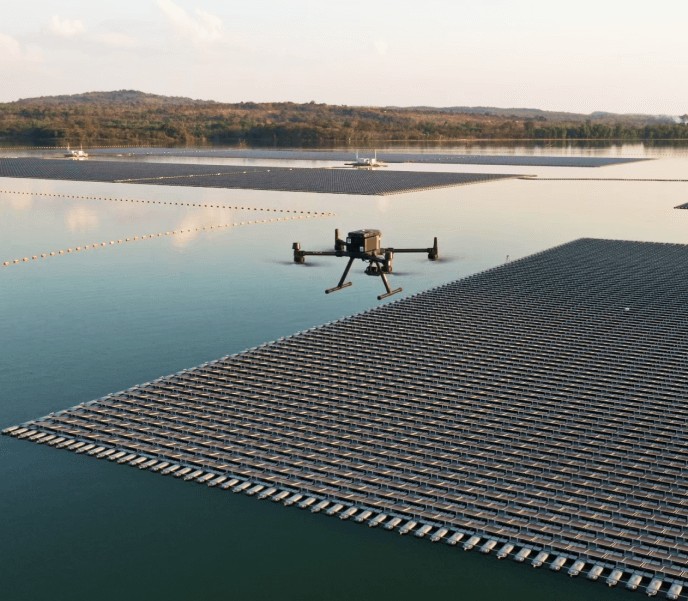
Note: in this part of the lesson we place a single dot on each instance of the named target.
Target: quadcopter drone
(364, 245)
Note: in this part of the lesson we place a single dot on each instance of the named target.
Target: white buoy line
(151, 236)
(160, 202)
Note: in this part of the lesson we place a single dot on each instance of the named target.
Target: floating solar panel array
(340, 181)
(387, 157)
(333, 181)
(108, 171)
(537, 409)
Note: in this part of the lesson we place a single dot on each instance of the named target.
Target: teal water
(78, 326)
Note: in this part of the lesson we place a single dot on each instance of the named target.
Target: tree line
(288, 124)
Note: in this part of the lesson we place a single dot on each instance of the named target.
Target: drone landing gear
(389, 290)
(341, 281)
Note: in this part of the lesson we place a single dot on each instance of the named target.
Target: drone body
(366, 246)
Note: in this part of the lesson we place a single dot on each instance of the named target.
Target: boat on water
(77, 155)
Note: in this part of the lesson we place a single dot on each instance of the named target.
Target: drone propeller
(447, 259)
(306, 264)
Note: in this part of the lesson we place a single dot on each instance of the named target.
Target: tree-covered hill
(131, 117)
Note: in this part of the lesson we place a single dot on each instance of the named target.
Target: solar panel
(540, 403)
(334, 181)
(385, 156)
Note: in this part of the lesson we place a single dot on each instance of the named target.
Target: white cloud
(33, 54)
(202, 30)
(66, 27)
(9, 48)
(114, 39)
(75, 29)
(381, 47)
(11, 51)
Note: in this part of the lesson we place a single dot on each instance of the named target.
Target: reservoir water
(77, 326)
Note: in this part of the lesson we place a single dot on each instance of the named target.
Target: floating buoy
(34, 257)
(44, 255)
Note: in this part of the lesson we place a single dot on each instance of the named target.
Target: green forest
(109, 119)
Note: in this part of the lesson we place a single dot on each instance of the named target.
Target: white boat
(77, 155)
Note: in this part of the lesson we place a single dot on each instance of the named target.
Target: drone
(364, 245)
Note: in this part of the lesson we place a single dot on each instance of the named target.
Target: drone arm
(433, 253)
(300, 255)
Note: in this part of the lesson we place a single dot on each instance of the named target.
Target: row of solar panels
(386, 156)
(333, 181)
(498, 472)
(199, 429)
(362, 513)
(405, 498)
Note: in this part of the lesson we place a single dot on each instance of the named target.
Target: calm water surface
(79, 326)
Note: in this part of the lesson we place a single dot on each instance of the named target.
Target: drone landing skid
(389, 290)
(341, 284)
(339, 287)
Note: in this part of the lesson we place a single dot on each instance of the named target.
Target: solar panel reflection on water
(387, 157)
(541, 403)
(333, 181)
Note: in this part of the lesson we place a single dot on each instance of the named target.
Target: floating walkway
(387, 157)
(535, 412)
(330, 181)
(103, 245)
(159, 202)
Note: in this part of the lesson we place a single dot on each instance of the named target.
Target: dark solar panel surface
(387, 157)
(107, 171)
(339, 181)
(334, 181)
(542, 402)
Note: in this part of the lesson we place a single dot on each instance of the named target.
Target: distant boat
(366, 162)
(77, 155)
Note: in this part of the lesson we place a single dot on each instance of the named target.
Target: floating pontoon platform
(539, 406)
(332, 181)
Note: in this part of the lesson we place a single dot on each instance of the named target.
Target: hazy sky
(576, 56)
